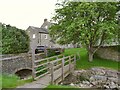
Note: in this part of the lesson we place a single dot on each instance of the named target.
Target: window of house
(33, 36)
(46, 36)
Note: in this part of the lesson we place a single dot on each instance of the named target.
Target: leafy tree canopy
(88, 23)
(14, 40)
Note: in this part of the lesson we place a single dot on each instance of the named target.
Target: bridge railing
(52, 64)
(41, 66)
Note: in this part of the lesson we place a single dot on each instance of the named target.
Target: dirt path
(41, 83)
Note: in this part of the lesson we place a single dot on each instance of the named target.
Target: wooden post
(33, 47)
(57, 60)
(70, 63)
(78, 56)
(46, 51)
(52, 73)
(33, 62)
(74, 61)
(48, 65)
(62, 68)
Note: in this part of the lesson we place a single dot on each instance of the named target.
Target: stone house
(39, 36)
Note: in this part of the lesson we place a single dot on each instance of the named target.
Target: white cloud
(23, 13)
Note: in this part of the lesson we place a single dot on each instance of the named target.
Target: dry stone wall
(109, 53)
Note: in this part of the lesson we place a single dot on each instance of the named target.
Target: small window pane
(33, 35)
(45, 36)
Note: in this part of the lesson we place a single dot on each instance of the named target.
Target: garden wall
(109, 52)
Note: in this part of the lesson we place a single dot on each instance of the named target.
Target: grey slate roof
(40, 30)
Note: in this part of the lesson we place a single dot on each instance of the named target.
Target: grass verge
(60, 87)
(12, 81)
(83, 62)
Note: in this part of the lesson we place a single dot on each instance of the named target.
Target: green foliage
(83, 63)
(14, 40)
(83, 78)
(86, 23)
(51, 52)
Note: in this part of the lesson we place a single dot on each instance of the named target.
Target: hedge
(14, 40)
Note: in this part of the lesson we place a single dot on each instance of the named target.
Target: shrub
(50, 52)
(14, 40)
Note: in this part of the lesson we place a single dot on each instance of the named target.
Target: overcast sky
(24, 13)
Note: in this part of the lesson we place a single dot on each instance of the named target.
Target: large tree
(87, 23)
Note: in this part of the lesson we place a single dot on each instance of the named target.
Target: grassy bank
(12, 81)
(60, 87)
(83, 62)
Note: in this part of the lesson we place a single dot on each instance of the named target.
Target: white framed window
(33, 36)
(46, 36)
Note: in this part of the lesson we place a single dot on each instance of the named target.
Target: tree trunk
(90, 56)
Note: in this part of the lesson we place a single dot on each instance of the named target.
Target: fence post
(74, 61)
(78, 55)
(57, 60)
(46, 51)
(48, 63)
(70, 63)
(33, 63)
(62, 68)
(52, 73)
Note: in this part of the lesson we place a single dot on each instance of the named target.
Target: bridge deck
(45, 81)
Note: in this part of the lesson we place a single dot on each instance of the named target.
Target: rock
(94, 83)
(98, 77)
(98, 71)
(91, 85)
(84, 86)
(71, 84)
(112, 74)
(118, 86)
(92, 78)
(77, 85)
(112, 79)
(81, 85)
(61, 83)
(105, 86)
(86, 82)
(113, 85)
(95, 78)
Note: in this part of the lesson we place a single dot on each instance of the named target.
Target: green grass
(9, 81)
(83, 63)
(61, 87)
(12, 81)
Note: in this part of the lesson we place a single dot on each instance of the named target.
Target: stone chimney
(45, 24)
